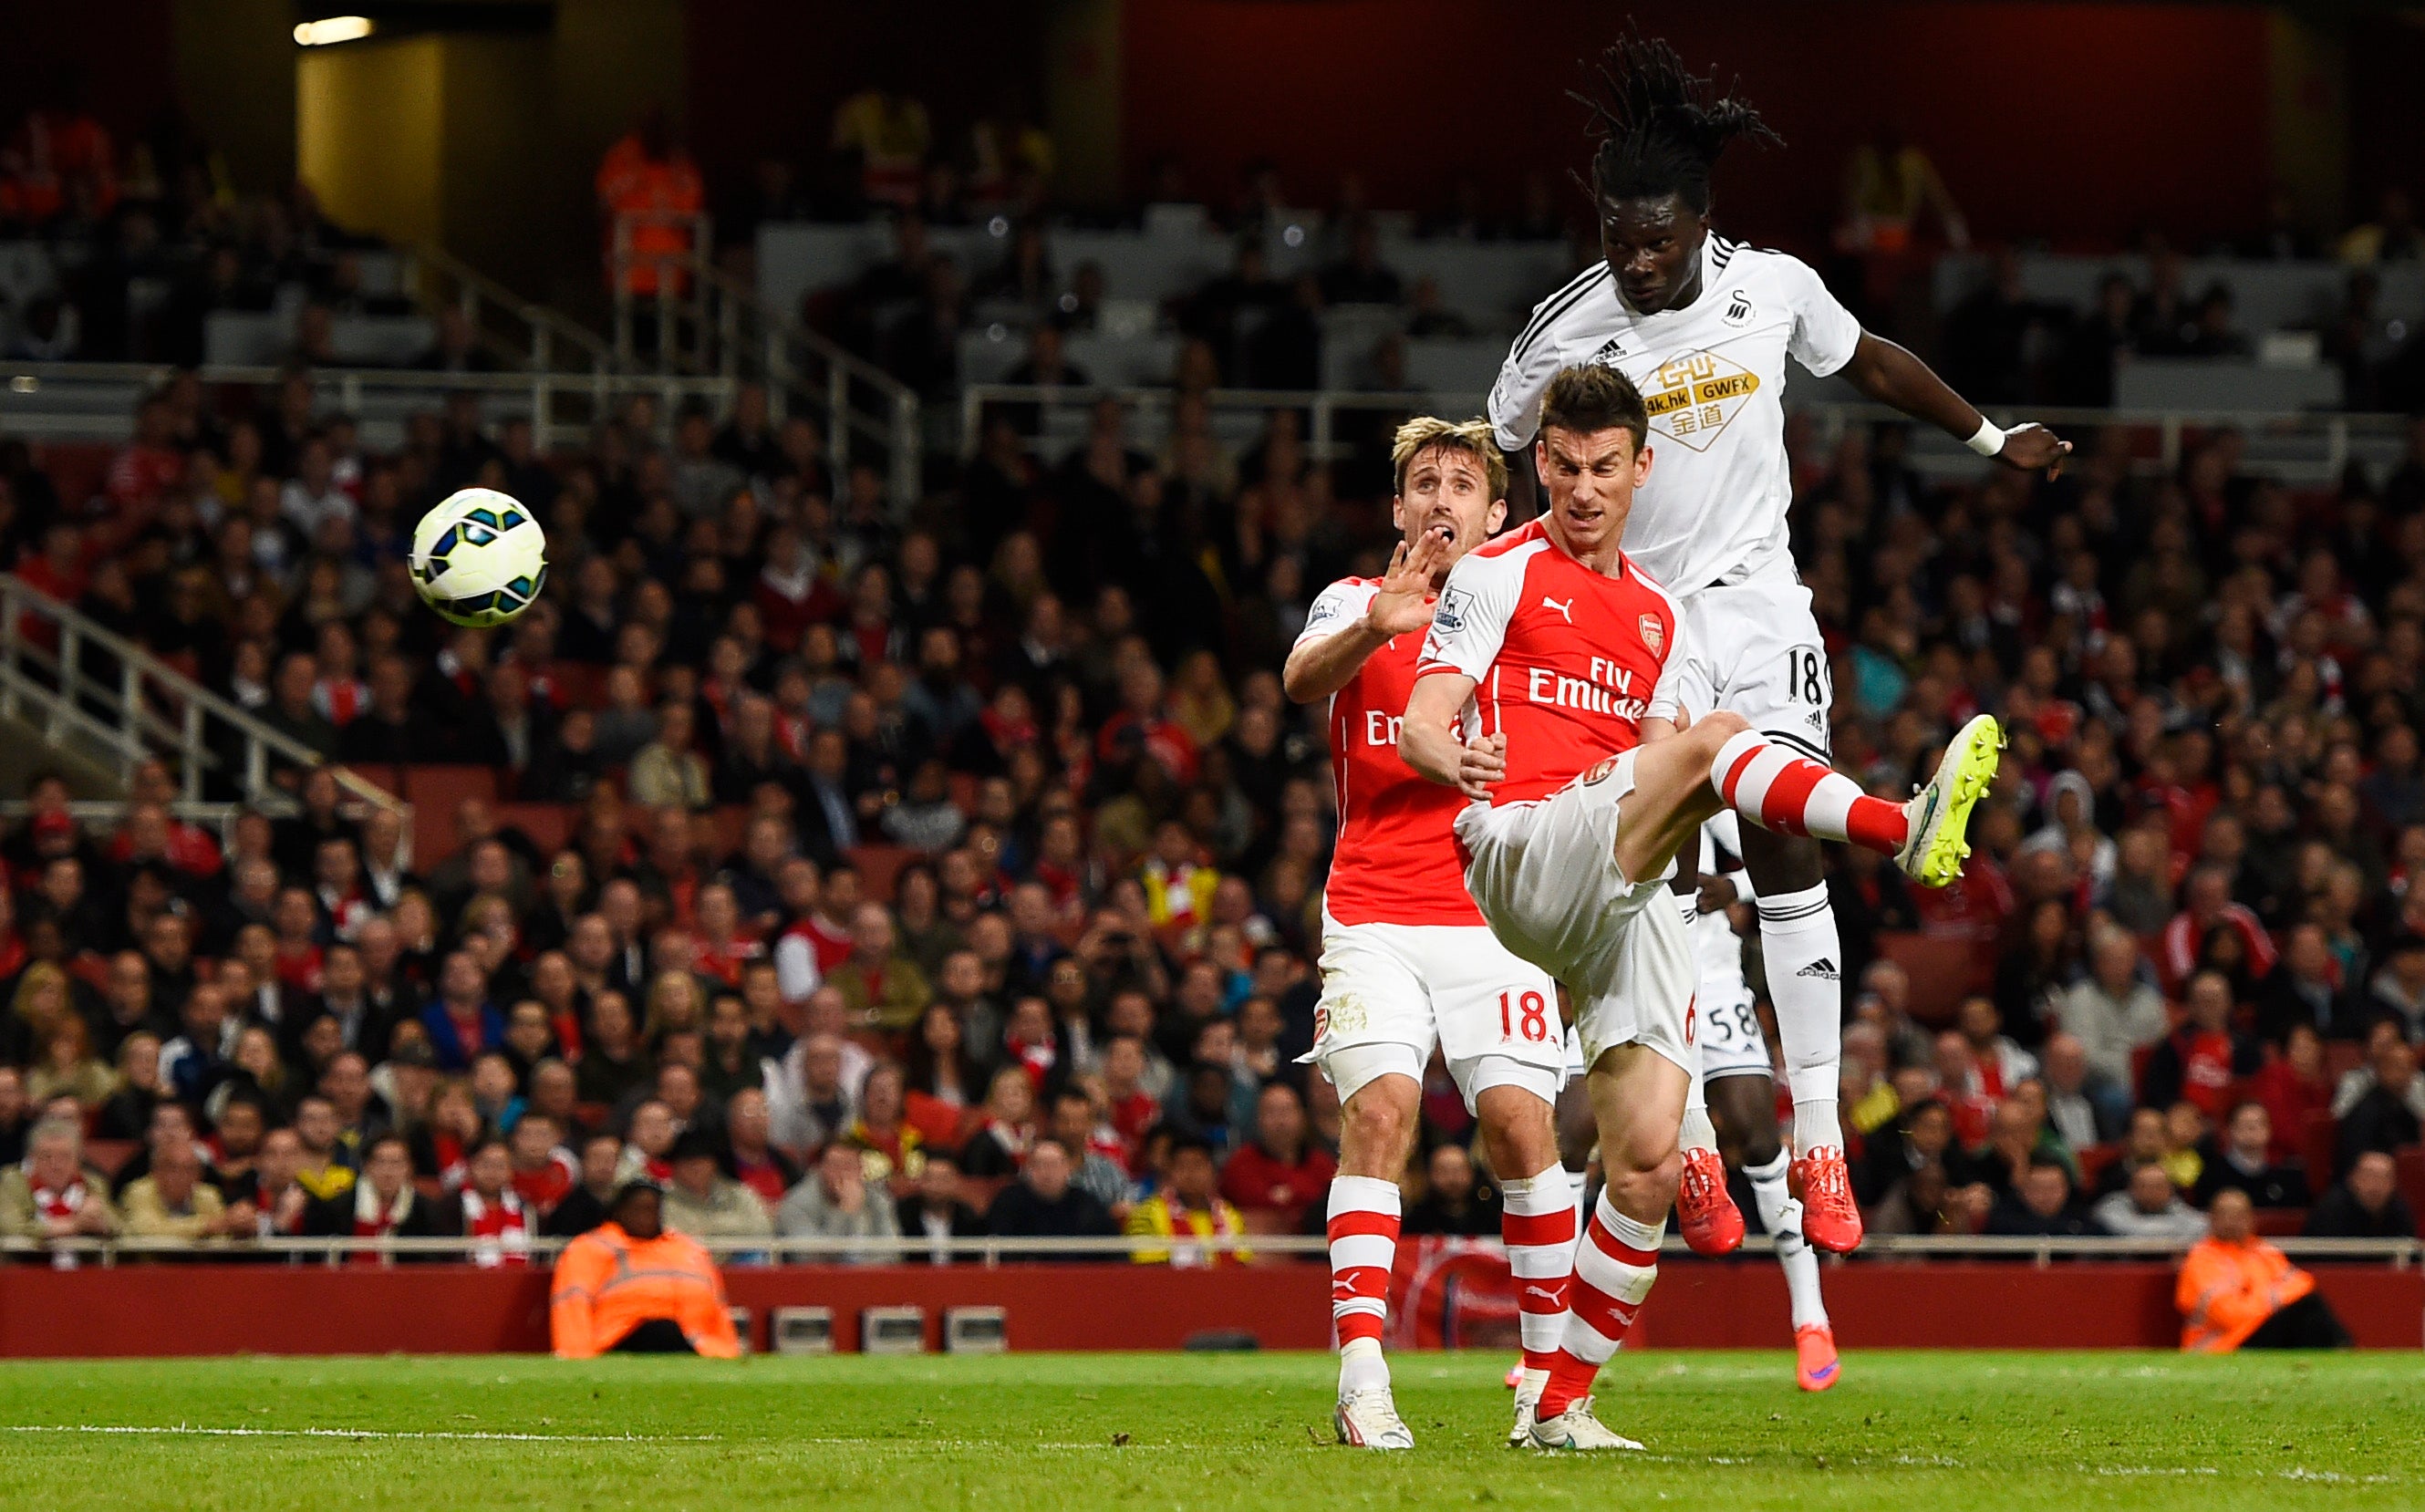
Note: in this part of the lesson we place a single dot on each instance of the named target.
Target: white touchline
(189, 1429)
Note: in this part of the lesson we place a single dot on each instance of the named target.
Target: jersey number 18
(1527, 1017)
(1802, 670)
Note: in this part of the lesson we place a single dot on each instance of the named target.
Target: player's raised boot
(1521, 1435)
(1939, 815)
(1576, 1428)
(1814, 1357)
(1368, 1419)
(1830, 1218)
(1713, 1224)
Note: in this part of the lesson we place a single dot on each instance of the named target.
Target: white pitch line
(169, 1430)
(998, 1446)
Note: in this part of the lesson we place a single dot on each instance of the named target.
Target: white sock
(1805, 958)
(1782, 1217)
(1361, 1366)
(1699, 1132)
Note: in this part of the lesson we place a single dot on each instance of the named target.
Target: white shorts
(1730, 1038)
(1403, 989)
(1544, 874)
(1753, 649)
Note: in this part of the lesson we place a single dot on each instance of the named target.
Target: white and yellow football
(480, 558)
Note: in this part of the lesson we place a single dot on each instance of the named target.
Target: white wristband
(1989, 440)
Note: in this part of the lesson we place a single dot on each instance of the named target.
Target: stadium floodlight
(329, 29)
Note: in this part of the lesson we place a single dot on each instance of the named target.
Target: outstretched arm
(1892, 376)
(1318, 668)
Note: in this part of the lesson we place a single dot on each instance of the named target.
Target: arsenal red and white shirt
(1566, 662)
(1396, 859)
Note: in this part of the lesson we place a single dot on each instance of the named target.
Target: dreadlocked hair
(1660, 127)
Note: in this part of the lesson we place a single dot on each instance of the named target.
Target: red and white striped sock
(1363, 1249)
(1537, 1219)
(1615, 1267)
(1776, 789)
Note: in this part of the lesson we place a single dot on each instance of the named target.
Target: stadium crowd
(839, 868)
(870, 877)
(139, 241)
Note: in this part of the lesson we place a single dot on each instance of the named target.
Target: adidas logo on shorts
(1824, 969)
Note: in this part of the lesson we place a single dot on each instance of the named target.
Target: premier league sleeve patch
(1450, 614)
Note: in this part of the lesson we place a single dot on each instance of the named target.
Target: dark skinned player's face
(1653, 247)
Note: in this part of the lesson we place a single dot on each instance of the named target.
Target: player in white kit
(1550, 694)
(1406, 962)
(1734, 1093)
(1703, 325)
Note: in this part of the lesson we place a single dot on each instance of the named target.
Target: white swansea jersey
(1712, 377)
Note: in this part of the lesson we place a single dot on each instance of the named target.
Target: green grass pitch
(1203, 1433)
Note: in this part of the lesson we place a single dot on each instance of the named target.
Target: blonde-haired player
(1406, 961)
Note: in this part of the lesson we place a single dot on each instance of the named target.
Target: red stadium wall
(301, 1310)
(452, 1310)
(2065, 120)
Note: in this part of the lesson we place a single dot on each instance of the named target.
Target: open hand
(1403, 602)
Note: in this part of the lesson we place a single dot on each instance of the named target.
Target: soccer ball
(478, 558)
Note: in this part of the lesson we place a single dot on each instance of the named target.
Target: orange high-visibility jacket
(629, 183)
(608, 1283)
(2227, 1290)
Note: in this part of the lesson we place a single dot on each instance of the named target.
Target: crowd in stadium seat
(2001, 346)
(125, 250)
(824, 867)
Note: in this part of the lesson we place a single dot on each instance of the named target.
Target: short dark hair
(1182, 1141)
(1591, 398)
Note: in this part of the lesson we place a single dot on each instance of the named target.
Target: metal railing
(703, 321)
(2397, 1254)
(94, 401)
(2332, 439)
(90, 690)
(1321, 407)
(549, 341)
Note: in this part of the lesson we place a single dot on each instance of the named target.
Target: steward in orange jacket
(629, 1286)
(2236, 1291)
(651, 180)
